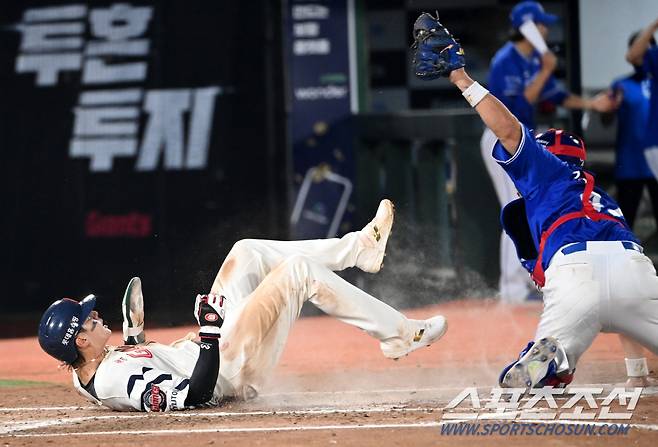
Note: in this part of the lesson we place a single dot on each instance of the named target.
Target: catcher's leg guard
(132, 308)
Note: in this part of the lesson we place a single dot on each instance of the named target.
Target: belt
(582, 246)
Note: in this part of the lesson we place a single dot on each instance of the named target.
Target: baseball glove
(436, 52)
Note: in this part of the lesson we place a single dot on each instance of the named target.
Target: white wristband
(637, 367)
(475, 93)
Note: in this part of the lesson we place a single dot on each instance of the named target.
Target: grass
(8, 383)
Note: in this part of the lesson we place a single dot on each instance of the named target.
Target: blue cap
(61, 323)
(529, 10)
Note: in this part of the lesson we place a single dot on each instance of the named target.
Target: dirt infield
(332, 387)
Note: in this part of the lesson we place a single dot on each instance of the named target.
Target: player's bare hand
(654, 25)
(549, 62)
(605, 103)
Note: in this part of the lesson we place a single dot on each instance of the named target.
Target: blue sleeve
(553, 91)
(496, 81)
(651, 61)
(532, 167)
(507, 85)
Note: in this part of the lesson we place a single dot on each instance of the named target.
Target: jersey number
(595, 200)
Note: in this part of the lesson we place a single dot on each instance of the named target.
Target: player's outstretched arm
(437, 54)
(635, 54)
(209, 312)
(602, 103)
(495, 115)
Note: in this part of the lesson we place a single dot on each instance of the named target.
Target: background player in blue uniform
(632, 174)
(520, 77)
(643, 52)
(571, 235)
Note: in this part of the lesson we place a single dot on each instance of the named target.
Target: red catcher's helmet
(565, 145)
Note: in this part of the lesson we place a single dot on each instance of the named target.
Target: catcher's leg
(567, 327)
(634, 299)
(571, 310)
(256, 337)
(572, 303)
(250, 260)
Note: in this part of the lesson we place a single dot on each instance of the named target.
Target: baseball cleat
(533, 366)
(249, 392)
(427, 332)
(132, 308)
(374, 237)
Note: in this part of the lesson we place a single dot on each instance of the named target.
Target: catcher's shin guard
(132, 308)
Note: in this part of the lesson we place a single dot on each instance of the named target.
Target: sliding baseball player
(244, 323)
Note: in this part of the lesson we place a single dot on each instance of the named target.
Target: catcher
(252, 305)
(570, 235)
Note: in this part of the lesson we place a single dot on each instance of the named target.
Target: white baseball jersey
(149, 377)
(265, 284)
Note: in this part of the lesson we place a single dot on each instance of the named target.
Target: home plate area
(345, 392)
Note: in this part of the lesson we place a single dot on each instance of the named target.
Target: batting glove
(209, 312)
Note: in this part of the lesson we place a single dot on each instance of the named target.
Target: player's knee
(296, 263)
(243, 247)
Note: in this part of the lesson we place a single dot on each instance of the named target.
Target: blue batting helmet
(61, 323)
(530, 10)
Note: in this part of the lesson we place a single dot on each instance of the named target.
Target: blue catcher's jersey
(633, 115)
(510, 74)
(551, 188)
(651, 66)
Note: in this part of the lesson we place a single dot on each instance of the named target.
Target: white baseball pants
(514, 283)
(605, 288)
(266, 283)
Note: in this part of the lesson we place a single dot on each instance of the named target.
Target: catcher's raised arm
(559, 220)
(438, 54)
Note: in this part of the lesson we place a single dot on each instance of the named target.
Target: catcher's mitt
(436, 52)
